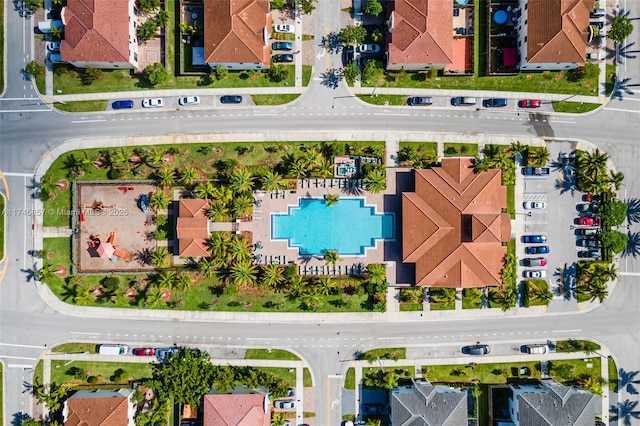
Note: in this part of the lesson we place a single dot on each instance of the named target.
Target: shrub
(92, 380)
(114, 173)
(372, 7)
(90, 75)
(220, 72)
(156, 74)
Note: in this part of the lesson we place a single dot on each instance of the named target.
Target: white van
(537, 349)
(113, 349)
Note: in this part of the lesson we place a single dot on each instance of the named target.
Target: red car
(144, 352)
(530, 103)
(589, 221)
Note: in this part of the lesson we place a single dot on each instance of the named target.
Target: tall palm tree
(207, 266)
(239, 250)
(516, 147)
(538, 156)
(376, 180)
(325, 169)
(217, 244)
(182, 281)
(376, 273)
(243, 273)
(166, 279)
(165, 177)
(298, 169)
(47, 187)
(311, 158)
(272, 275)
(217, 211)
(205, 190)
(160, 257)
(593, 163)
(331, 257)
(492, 150)
(272, 181)
(159, 200)
(241, 181)
(604, 273)
(597, 290)
(188, 175)
(242, 206)
(616, 179)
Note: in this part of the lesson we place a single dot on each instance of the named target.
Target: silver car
(189, 100)
(153, 103)
(285, 404)
(534, 205)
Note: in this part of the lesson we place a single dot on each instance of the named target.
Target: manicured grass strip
(609, 81)
(350, 379)
(103, 370)
(2, 219)
(386, 353)
(272, 354)
(573, 107)
(404, 307)
(396, 100)
(273, 99)
(288, 375)
(71, 348)
(421, 146)
(81, 106)
(37, 372)
(460, 150)
(1, 391)
(511, 200)
(613, 374)
(576, 346)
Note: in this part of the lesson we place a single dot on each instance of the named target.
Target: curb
(4, 224)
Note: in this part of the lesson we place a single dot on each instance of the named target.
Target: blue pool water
(348, 226)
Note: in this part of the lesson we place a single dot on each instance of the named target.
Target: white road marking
(390, 338)
(390, 113)
(20, 366)
(623, 110)
(561, 121)
(87, 121)
(22, 346)
(84, 332)
(18, 357)
(565, 331)
(261, 338)
(17, 174)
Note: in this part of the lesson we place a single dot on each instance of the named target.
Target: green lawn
(576, 346)
(573, 107)
(395, 100)
(469, 303)
(81, 106)
(460, 149)
(71, 348)
(273, 99)
(273, 354)
(103, 370)
(421, 146)
(439, 301)
(2, 219)
(613, 374)
(350, 379)
(288, 375)
(511, 200)
(1, 389)
(386, 353)
(404, 307)
(37, 372)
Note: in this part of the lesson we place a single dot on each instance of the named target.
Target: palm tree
(538, 156)
(188, 175)
(119, 159)
(241, 181)
(539, 292)
(516, 147)
(160, 257)
(84, 295)
(331, 199)
(154, 158)
(604, 273)
(492, 150)
(242, 206)
(205, 190)
(593, 163)
(272, 181)
(505, 298)
(324, 286)
(376, 273)
(207, 266)
(597, 290)
(311, 158)
(331, 257)
(298, 169)
(45, 273)
(272, 275)
(166, 279)
(376, 180)
(217, 244)
(154, 297)
(616, 179)
(243, 273)
(182, 281)
(162, 17)
(481, 164)
(239, 250)
(165, 177)
(159, 200)
(473, 295)
(47, 187)
(325, 169)
(310, 299)
(295, 286)
(217, 211)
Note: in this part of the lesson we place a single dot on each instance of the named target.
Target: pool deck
(278, 251)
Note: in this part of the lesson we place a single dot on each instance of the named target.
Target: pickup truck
(535, 171)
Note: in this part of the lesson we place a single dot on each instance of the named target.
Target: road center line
(565, 331)
(22, 346)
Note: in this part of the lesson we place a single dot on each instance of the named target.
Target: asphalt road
(28, 130)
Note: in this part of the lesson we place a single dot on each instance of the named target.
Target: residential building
(453, 228)
(192, 227)
(553, 34)
(236, 34)
(249, 409)
(100, 34)
(419, 34)
(549, 403)
(102, 407)
(422, 404)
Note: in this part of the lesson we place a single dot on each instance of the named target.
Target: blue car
(231, 99)
(282, 45)
(144, 203)
(534, 239)
(536, 249)
(122, 104)
(162, 353)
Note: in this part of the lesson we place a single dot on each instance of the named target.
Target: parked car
(588, 243)
(369, 48)
(419, 100)
(533, 239)
(153, 103)
(585, 207)
(534, 274)
(589, 221)
(372, 408)
(230, 99)
(536, 249)
(535, 171)
(282, 57)
(282, 45)
(285, 404)
(530, 103)
(463, 101)
(536, 349)
(144, 203)
(494, 103)
(284, 28)
(587, 231)
(53, 46)
(189, 100)
(534, 205)
(122, 104)
(162, 353)
(535, 261)
(588, 254)
(143, 352)
(476, 350)
(291, 392)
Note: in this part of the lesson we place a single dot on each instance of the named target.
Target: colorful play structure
(106, 249)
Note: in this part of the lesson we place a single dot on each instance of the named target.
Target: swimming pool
(348, 226)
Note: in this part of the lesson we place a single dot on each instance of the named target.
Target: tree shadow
(32, 274)
(625, 412)
(633, 245)
(331, 79)
(622, 88)
(633, 210)
(332, 42)
(627, 380)
(18, 418)
(567, 277)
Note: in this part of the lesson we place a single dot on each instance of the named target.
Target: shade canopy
(500, 17)
(105, 250)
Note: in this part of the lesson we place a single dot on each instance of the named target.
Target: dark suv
(419, 100)
(476, 350)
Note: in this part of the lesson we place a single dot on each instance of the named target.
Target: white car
(369, 48)
(189, 100)
(534, 205)
(285, 404)
(284, 28)
(153, 103)
(53, 46)
(534, 274)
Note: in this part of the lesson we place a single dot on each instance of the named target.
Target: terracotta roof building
(237, 410)
(192, 227)
(453, 226)
(100, 34)
(420, 34)
(99, 408)
(554, 33)
(236, 34)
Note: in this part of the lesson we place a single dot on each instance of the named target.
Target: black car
(419, 100)
(476, 350)
(536, 249)
(372, 408)
(283, 57)
(231, 99)
(494, 103)
(590, 254)
(588, 243)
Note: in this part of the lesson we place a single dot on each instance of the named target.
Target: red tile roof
(558, 30)
(112, 410)
(234, 31)
(236, 410)
(422, 32)
(192, 227)
(453, 226)
(95, 31)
